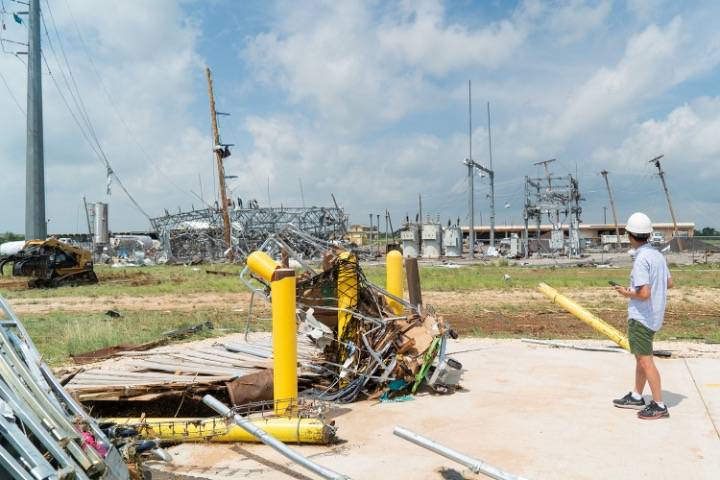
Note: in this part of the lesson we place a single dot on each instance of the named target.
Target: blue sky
(368, 100)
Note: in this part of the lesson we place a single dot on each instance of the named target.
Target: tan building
(360, 234)
(593, 231)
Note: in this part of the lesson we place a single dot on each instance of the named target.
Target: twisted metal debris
(44, 432)
(198, 234)
(368, 349)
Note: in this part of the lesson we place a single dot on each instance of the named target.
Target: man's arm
(670, 283)
(642, 292)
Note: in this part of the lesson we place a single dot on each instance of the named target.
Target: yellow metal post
(347, 290)
(217, 430)
(580, 313)
(394, 279)
(284, 334)
(262, 265)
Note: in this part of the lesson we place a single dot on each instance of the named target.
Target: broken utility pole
(221, 151)
(612, 206)
(656, 161)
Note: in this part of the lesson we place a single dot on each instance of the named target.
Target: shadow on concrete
(270, 464)
(451, 474)
(672, 399)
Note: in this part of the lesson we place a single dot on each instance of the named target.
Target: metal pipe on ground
(582, 314)
(477, 466)
(216, 429)
(267, 439)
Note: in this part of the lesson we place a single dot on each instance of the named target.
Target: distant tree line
(10, 237)
(707, 232)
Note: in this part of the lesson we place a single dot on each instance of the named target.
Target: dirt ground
(487, 312)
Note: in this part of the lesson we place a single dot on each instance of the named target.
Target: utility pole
(604, 173)
(302, 192)
(491, 173)
(221, 151)
(35, 224)
(604, 215)
(656, 161)
(370, 234)
(471, 176)
(545, 163)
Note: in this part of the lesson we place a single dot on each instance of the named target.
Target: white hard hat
(639, 223)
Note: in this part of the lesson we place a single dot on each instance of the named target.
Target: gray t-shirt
(649, 268)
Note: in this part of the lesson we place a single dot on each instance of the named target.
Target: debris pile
(374, 344)
(44, 432)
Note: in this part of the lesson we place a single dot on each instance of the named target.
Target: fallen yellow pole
(394, 279)
(284, 335)
(347, 292)
(216, 429)
(580, 313)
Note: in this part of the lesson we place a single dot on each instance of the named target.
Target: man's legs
(650, 371)
(640, 377)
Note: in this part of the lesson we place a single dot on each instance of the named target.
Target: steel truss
(198, 234)
(558, 198)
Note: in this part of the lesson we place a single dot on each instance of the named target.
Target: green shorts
(640, 337)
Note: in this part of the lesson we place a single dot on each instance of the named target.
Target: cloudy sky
(367, 100)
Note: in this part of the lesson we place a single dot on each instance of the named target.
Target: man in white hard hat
(649, 281)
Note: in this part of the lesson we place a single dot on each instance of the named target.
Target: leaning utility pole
(220, 154)
(656, 161)
(604, 173)
(35, 222)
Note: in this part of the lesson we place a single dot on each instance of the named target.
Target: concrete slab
(531, 410)
(706, 375)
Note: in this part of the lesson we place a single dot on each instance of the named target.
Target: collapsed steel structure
(198, 234)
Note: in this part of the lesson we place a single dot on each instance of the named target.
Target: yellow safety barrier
(394, 279)
(216, 429)
(284, 328)
(262, 265)
(347, 290)
(580, 313)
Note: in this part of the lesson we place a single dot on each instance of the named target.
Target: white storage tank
(11, 248)
(409, 239)
(102, 233)
(452, 241)
(431, 240)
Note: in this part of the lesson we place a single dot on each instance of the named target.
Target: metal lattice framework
(198, 234)
(558, 198)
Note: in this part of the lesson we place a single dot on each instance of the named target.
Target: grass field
(476, 299)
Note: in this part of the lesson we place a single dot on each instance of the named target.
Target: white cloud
(578, 19)
(145, 52)
(654, 60)
(421, 38)
(687, 137)
(358, 72)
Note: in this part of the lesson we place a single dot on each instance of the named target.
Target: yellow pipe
(579, 312)
(262, 265)
(284, 334)
(217, 430)
(347, 291)
(394, 279)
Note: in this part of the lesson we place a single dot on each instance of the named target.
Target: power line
(12, 95)
(88, 131)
